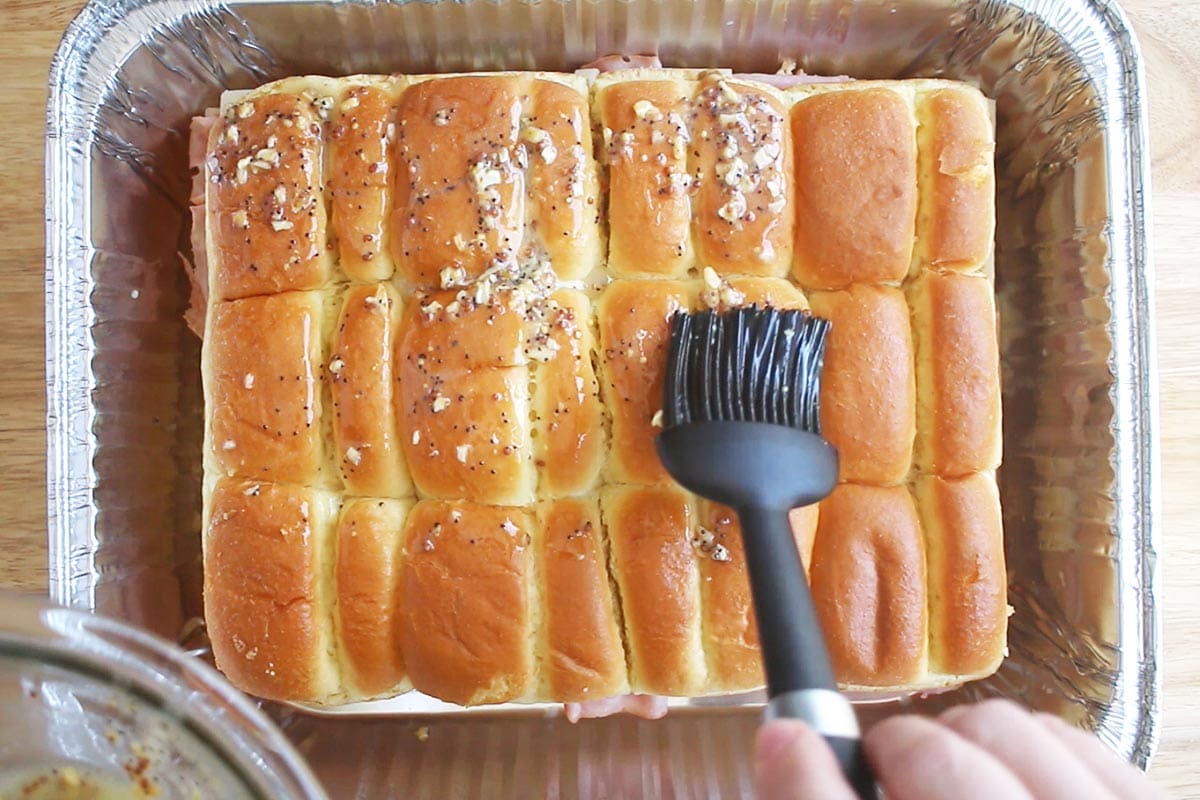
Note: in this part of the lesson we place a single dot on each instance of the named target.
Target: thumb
(792, 762)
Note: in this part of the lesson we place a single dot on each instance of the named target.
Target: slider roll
(581, 654)
(646, 139)
(856, 187)
(465, 616)
(264, 207)
(263, 364)
(367, 443)
(741, 148)
(361, 170)
(267, 604)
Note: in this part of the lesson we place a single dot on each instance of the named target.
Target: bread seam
(614, 586)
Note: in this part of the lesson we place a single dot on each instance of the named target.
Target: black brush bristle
(746, 365)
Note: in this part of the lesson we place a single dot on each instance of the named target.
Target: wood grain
(1169, 31)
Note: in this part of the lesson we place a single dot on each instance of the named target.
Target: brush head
(745, 365)
(741, 408)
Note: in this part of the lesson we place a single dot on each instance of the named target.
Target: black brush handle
(800, 682)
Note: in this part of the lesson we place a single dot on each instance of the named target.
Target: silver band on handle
(826, 711)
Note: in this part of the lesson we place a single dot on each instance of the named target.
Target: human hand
(994, 750)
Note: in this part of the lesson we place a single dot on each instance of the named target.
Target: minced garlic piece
(452, 276)
(323, 105)
(267, 155)
(646, 110)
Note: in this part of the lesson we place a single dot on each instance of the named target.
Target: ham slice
(614, 63)
(197, 269)
(197, 275)
(782, 80)
(199, 132)
(645, 706)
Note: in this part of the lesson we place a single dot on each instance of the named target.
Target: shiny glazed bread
(436, 329)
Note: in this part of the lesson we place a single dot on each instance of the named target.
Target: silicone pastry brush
(741, 426)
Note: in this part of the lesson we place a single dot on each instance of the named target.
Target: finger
(918, 759)
(1125, 780)
(792, 762)
(1047, 767)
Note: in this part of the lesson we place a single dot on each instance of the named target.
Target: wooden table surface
(1169, 31)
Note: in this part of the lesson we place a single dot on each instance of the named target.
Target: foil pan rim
(106, 31)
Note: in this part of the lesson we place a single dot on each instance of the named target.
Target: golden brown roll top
(263, 388)
(869, 589)
(493, 169)
(957, 217)
(360, 172)
(465, 618)
(580, 652)
(856, 187)
(367, 610)
(868, 393)
(742, 155)
(470, 434)
(460, 196)
(804, 529)
(634, 317)
(655, 567)
(266, 548)
(646, 138)
(465, 409)
(773, 292)
(699, 174)
(724, 293)
(367, 443)
(448, 333)
(958, 374)
(968, 611)
(730, 629)
(265, 210)
(569, 417)
(564, 186)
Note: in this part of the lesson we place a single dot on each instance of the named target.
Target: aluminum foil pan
(1080, 484)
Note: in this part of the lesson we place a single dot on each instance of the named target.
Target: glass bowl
(92, 708)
